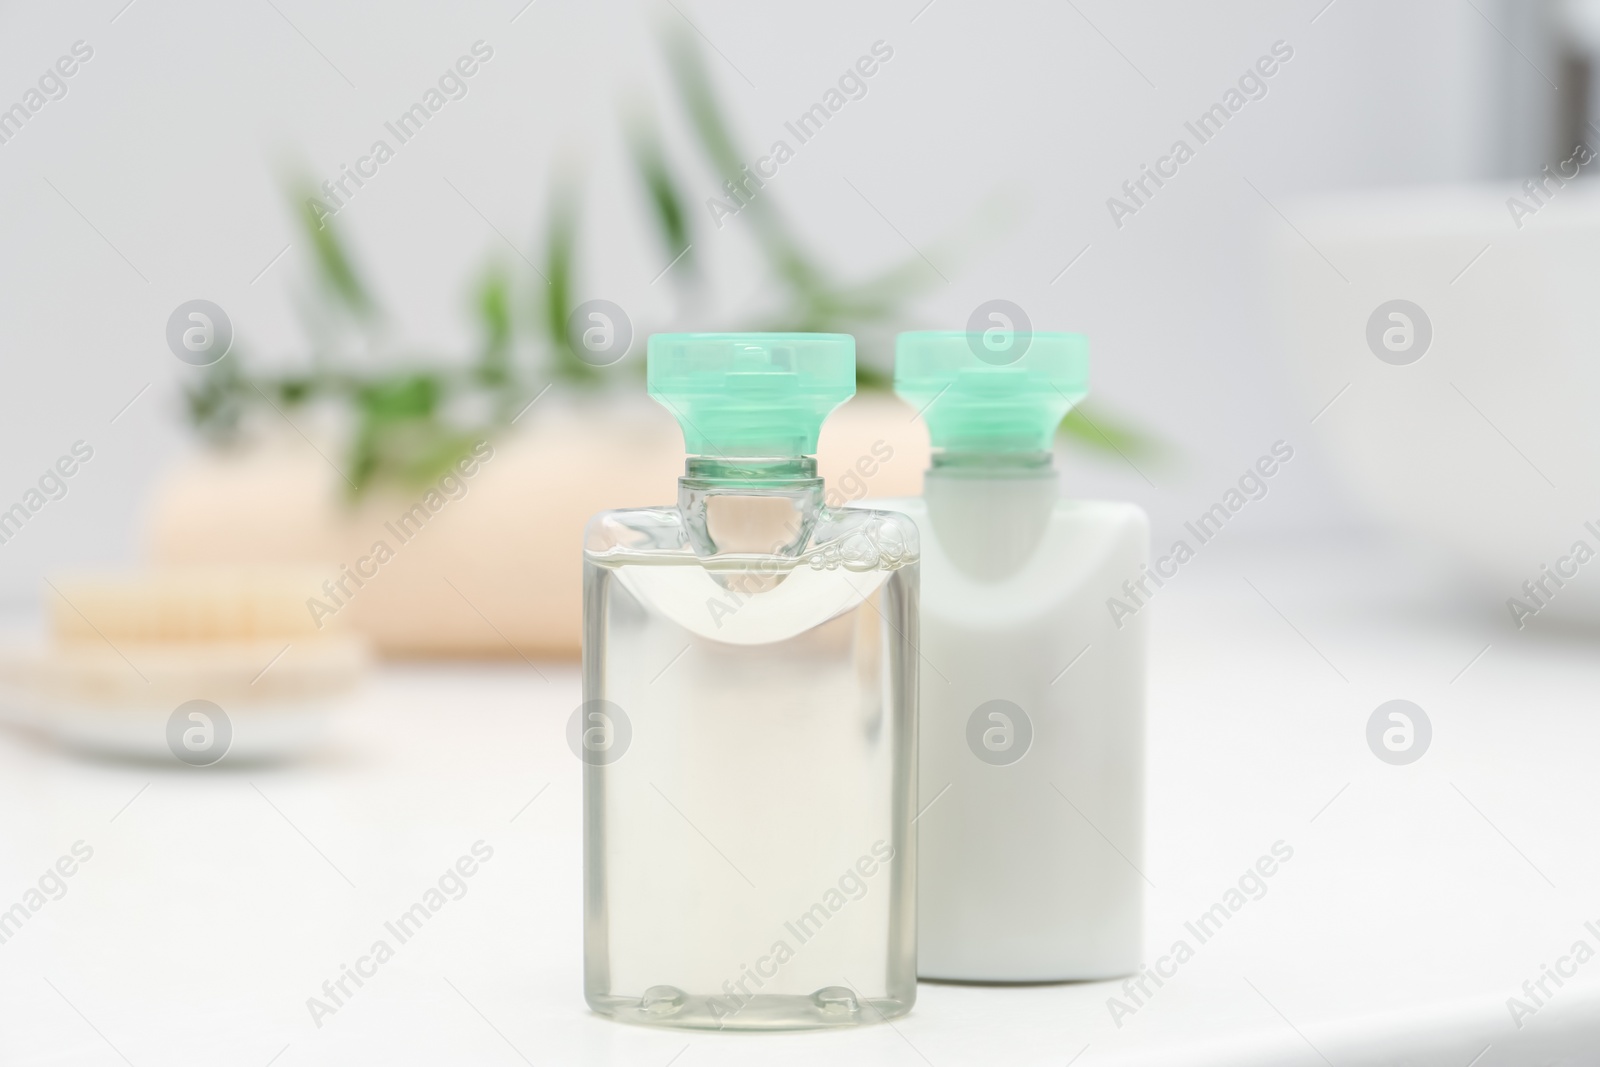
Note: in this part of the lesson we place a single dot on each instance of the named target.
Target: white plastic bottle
(1032, 692)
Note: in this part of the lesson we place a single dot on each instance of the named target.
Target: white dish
(195, 704)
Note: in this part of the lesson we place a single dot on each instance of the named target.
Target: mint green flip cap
(976, 396)
(751, 395)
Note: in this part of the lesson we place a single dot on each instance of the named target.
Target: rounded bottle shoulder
(1111, 511)
(881, 521)
(635, 529)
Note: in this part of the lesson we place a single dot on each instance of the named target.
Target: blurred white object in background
(1464, 417)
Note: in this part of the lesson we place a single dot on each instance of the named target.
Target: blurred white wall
(154, 181)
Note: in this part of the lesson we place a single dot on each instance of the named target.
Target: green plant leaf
(398, 434)
(1106, 434)
(334, 265)
(661, 189)
(492, 302)
(870, 379)
(408, 396)
(296, 390)
(687, 64)
(217, 404)
(561, 228)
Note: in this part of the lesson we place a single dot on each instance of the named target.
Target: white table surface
(1420, 898)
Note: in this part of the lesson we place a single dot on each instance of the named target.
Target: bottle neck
(989, 510)
(749, 505)
(720, 473)
(970, 463)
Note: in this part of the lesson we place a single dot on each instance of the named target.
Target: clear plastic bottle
(1032, 700)
(748, 726)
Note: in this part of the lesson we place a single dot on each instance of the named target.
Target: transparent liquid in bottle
(749, 854)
